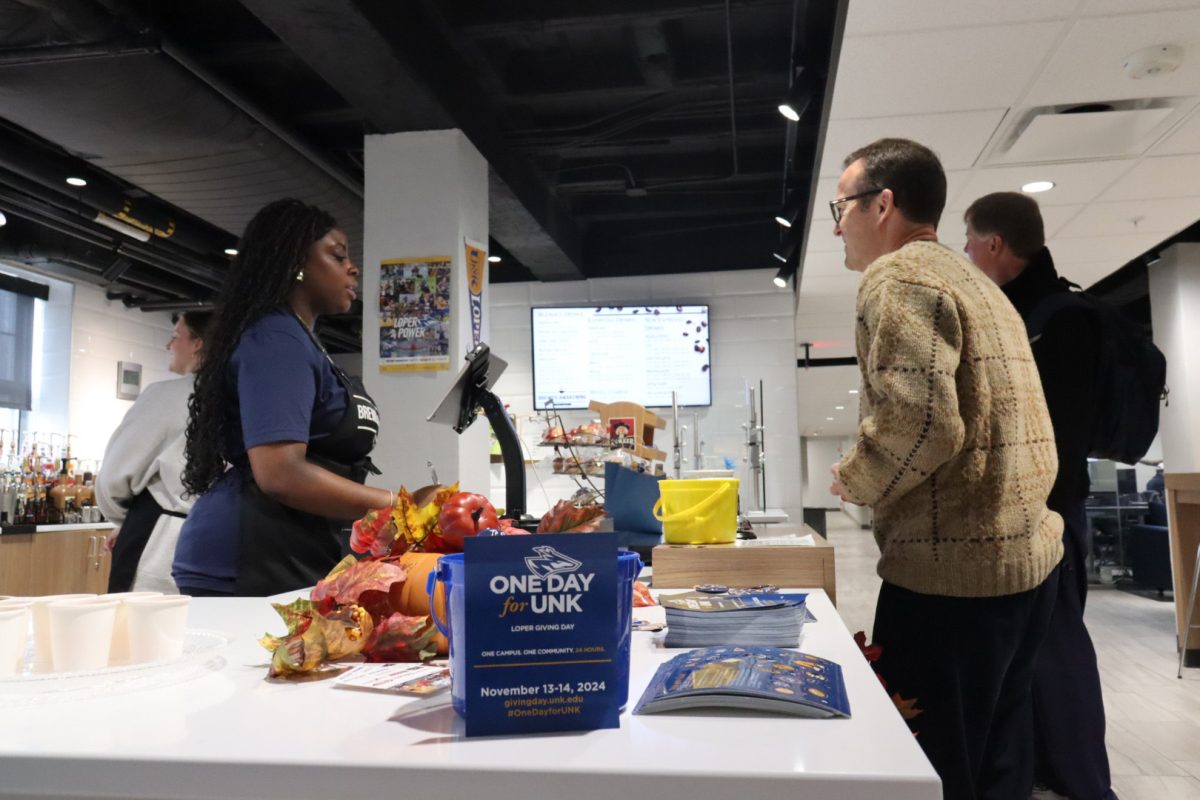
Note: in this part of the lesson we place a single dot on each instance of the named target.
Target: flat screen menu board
(611, 353)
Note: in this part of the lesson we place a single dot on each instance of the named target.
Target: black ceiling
(623, 136)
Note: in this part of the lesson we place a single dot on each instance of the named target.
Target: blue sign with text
(541, 625)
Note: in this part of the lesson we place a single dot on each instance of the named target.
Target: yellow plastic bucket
(698, 511)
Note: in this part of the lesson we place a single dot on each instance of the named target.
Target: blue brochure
(758, 678)
(541, 633)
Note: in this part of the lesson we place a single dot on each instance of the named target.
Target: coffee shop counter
(72, 526)
(227, 732)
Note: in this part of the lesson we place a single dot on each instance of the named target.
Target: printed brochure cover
(757, 678)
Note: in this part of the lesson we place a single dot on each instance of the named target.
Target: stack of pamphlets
(695, 619)
(759, 678)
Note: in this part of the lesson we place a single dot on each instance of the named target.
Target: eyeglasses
(835, 206)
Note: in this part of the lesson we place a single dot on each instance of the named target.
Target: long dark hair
(271, 254)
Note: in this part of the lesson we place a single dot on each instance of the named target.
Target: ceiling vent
(1084, 132)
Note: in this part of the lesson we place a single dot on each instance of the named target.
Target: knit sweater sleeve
(910, 341)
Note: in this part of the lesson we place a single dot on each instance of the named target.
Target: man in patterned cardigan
(955, 454)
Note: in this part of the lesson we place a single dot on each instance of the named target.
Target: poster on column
(414, 314)
(476, 266)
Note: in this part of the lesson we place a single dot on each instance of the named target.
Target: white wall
(1174, 300)
(822, 453)
(751, 337)
(103, 333)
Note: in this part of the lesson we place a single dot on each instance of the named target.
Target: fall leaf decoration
(312, 638)
(402, 638)
(871, 652)
(414, 523)
(346, 585)
(568, 517)
(907, 708)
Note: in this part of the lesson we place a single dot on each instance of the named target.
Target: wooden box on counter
(749, 563)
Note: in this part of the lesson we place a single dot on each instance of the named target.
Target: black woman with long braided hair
(278, 435)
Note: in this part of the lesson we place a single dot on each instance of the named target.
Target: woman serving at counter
(278, 435)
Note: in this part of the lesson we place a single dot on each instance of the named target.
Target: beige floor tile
(1155, 787)
(1129, 754)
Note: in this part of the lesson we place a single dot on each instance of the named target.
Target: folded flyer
(757, 678)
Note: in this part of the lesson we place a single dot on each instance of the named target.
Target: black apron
(282, 549)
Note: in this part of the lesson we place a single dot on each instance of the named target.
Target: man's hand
(110, 541)
(836, 489)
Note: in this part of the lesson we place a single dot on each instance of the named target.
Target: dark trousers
(1068, 706)
(131, 541)
(966, 665)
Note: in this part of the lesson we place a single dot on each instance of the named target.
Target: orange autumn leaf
(364, 576)
(907, 708)
(566, 517)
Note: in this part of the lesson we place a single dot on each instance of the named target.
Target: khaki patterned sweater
(955, 451)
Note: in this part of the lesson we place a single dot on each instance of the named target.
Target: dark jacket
(1067, 357)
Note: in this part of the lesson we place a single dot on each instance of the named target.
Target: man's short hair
(1012, 216)
(913, 173)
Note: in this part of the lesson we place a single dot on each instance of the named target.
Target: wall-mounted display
(610, 353)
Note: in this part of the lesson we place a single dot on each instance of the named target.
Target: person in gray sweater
(140, 486)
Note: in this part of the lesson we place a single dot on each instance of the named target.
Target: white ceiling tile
(1078, 182)
(888, 16)
(1087, 65)
(1096, 8)
(1164, 217)
(914, 73)
(1185, 138)
(1112, 250)
(1055, 217)
(1168, 176)
(957, 138)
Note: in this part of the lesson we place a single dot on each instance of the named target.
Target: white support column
(1175, 314)
(425, 193)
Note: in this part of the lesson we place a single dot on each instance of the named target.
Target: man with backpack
(1006, 240)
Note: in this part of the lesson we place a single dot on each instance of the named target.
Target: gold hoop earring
(300, 276)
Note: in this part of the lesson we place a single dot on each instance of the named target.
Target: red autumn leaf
(365, 531)
(366, 576)
(402, 638)
(871, 652)
(566, 517)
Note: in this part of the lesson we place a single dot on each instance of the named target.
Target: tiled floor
(1153, 717)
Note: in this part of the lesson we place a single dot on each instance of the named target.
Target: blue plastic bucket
(450, 572)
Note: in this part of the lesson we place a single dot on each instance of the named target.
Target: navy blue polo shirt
(284, 390)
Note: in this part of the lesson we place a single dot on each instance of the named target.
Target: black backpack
(1132, 379)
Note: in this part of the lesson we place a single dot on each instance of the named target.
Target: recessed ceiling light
(76, 181)
(231, 251)
(494, 259)
(839, 408)
(829, 419)
(1033, 187)
(3, 219)
(854, 391)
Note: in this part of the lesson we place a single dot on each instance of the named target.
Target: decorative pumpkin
(410, 598)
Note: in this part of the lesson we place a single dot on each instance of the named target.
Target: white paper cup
(81, 633)
(14, 633)
(120, 642)
(42, 660)
(156, 627)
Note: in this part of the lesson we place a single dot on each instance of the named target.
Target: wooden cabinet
(54, 562)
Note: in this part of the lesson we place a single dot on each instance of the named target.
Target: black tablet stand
(459, 408)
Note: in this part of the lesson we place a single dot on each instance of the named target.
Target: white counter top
(232, 734)
(74, 526)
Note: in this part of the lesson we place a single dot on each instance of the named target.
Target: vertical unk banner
(476, 266)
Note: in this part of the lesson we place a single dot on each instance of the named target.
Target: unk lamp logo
(549, 561)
